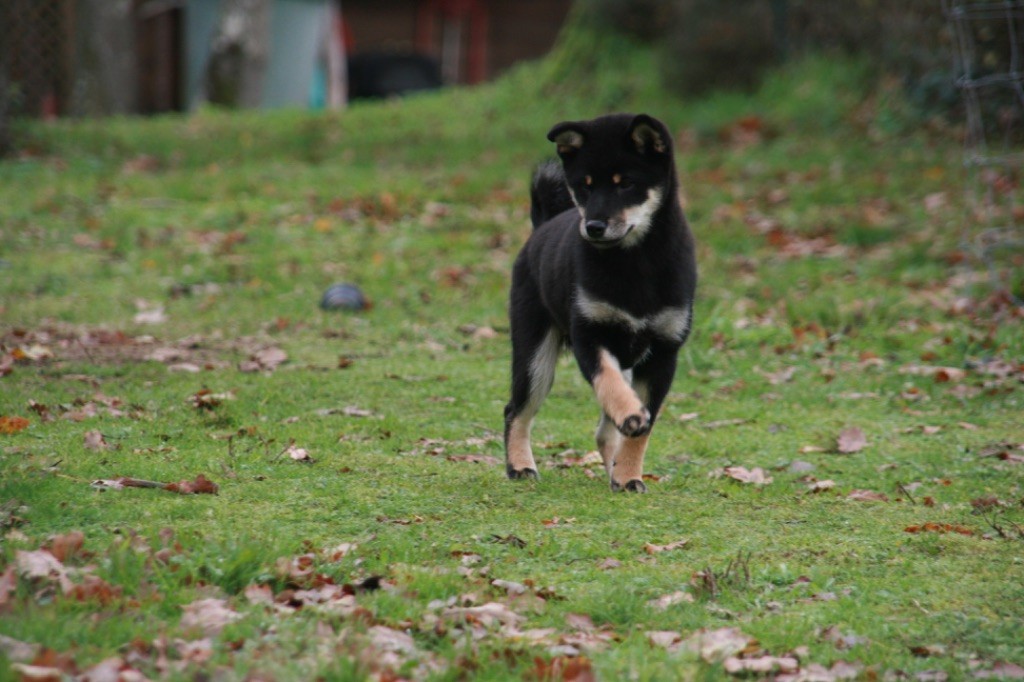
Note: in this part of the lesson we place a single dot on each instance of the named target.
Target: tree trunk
(105, 72)
(239, 54)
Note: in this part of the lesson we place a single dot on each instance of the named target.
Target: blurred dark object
(712, 46)
(382, 74)
(344, 297)
(708, 44)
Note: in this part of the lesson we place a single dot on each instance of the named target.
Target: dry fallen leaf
(298, 454)
(717, 645)
(941, 528)
(208, 615)
(266, 359)
(94, 440)
(756, 476)
(512, 588)
(820, 486)
(491, 613)
(651, 548)
(1003, 671)
(200, 486)
(63, 547)
(17, 651)
(851, 440)
(38, 564)
(10, 425)
(867, 496)
(762, 664)
(662, 603)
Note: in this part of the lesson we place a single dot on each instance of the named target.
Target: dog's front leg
(616, 396)
(625, 421)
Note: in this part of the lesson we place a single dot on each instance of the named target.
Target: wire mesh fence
(989, 71)
(35, 59)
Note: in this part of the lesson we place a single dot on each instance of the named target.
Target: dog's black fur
(609, 270)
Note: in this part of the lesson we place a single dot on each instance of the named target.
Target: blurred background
(97, 57)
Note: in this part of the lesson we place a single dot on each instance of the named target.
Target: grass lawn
(159, 320)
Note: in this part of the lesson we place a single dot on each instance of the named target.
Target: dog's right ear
(567, 137)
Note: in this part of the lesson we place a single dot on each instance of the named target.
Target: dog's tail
(549, 194)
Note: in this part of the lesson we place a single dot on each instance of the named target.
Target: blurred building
(100, 57)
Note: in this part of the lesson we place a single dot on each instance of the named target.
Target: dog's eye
(626, 184)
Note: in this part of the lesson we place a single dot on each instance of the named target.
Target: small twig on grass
(201, 485)
(291, 442)
(85, 349)
(990, 519)
(906, 492)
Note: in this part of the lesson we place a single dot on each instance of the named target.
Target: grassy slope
(423, 202)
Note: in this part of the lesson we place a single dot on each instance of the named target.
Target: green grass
(236, 223)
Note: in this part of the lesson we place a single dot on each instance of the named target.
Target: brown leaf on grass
(354, 411)
(8, 584)
(297, 568)
(509, 539)
(93, 588)
(940, 528)
(489, 614)
(267, 359)
(9, 425)
(565, 668)
(208, 615)
(94, 440)
(762, 664)
(206, 399)
(17, 651)
(664, 638)
(927, 650)
(781, 377)
(651, 548)
(580, 622)
(851, 440)
(609, 563)
(259, 594)
(721, 423)
(64, 547)
(840, 670)
(663, 602)
(821, 486)
(716, 645)
(755, 476)
(38, 564)
(867, 496)
(512, 588)
(38, 673)
(298, 454)
(200, 486)
(339, 551)
(1002, 670)
(840, 639)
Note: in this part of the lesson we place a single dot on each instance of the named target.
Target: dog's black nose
(596, 228)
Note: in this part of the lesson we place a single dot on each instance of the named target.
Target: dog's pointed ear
(567, 136)
(648, 134)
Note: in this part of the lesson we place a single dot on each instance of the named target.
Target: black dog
(609, 270)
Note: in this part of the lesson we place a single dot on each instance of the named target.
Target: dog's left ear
(567, 137)
(648, 134)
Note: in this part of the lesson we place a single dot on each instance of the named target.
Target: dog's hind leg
(608, 437)
(651, 383)
(608, 441)
(535, 348)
